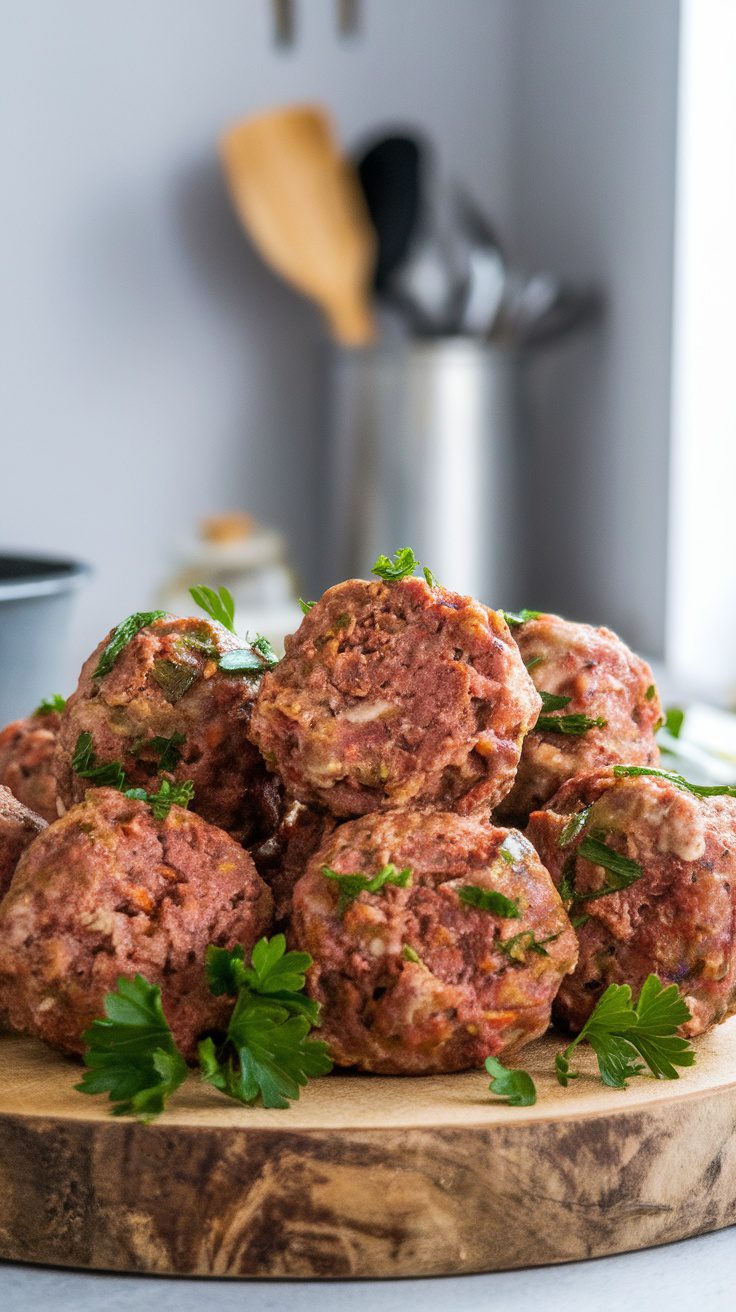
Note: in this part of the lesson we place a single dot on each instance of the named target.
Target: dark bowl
(36, 600)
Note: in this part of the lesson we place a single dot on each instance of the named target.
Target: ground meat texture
(27, 750)
(167, 681)
(282, 859)
(18, 828)
(465, 998)
(110, 891)
(677, 921)
(396, 694)
(602, 678)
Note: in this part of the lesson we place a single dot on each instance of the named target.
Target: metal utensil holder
(423, 452)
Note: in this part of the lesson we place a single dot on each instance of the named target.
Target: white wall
(594, 158)
(150, 369)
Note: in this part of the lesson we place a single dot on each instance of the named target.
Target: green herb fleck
(619, 1034)
(168, 795)
(517, 948)
(429, 578)
(699, 790)
(403, 564)
(489, 899)
(573, 725)
(85, 764)
(306, 605)
(165, 749)
(351, 885)
(48, 705)
(517, 1088)
(409, 954)
(623, 870)
(219, 605)
(121, 636)
(535, 660)
(131, 1055)
(513, 617)
(650, 693)
(674, 718)
(574, 826)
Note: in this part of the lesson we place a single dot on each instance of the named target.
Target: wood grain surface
(365, 1176)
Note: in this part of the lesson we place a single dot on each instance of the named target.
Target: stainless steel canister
(423, 453)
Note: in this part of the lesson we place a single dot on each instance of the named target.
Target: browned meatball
(414, 979)
(110, 891)
(603, 680)
(166, 681)
(282, 859)
(27, 750)
(676, 919)
(18, 828)
(396, 694)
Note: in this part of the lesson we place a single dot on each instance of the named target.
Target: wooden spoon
(301, 204)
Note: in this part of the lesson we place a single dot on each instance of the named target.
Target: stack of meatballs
(399, 739)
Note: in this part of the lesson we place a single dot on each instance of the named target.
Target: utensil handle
(352, 322)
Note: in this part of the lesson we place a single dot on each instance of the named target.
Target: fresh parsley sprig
(132, 1055)
(517, 1088)
(699, 790)
(306, 606)
(514, 618)
(403, 564)
(219, 605)
(48, 705)
(489, 899)
(351, 885)
(168, 794)
(266, 1052)
(619, 1033)
(121, 636)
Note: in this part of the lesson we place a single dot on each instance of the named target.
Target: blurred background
(537, 397)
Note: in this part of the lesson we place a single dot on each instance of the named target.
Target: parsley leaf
(250, 661)
(535, 660)
(700, 790)
(403, 564)
(166, 749)
(220, 605)
(517, 1088)
(121, 636)
(619, 1033)
(513, 618)
(552, 702)
(350, 886)
(574, 826)
(573, 725)
(48, 705)
(84, 763)
(266, 1051)
(131, 1055)
(516, 948)
(429, 578)
(650, 693)
(168, 795)
(306, 605)
(674, 718)
(624, 870)
(489, 899)
(409, 954)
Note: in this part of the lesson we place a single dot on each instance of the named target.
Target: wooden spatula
(301, 204)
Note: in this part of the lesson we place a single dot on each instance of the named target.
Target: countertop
(697, 1273)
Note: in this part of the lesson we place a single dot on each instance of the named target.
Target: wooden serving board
(365, 1176)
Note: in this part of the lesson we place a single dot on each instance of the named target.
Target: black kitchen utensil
(390, 173)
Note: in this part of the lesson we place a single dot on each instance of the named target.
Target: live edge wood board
(364, 1176)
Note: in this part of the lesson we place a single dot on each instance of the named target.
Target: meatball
(396, 694)
(27, 750)
(108, 891)
(675, 919)
(282, 859)
(18, 828)
(166, 687)
(601, 679)
(415, 979)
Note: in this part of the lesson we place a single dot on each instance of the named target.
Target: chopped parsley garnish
(517, 1088)
(121, 636)
(48, 705)
(166, 749)
(131, 1055)
(306, 605)
(623, 870)
(513, 617)
(620, 1033)
(573, 725)
(552, 702)
(650, 693)
(219, 605)
(409, 954)
(403, 564)
(168, 795)
(700, 790)
(574, 826)
(350, 886)
(489, 899)
(674, 718)
(518, 947)
(535, 660)
(250, 661)
(266, 1051)
(85, 764)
